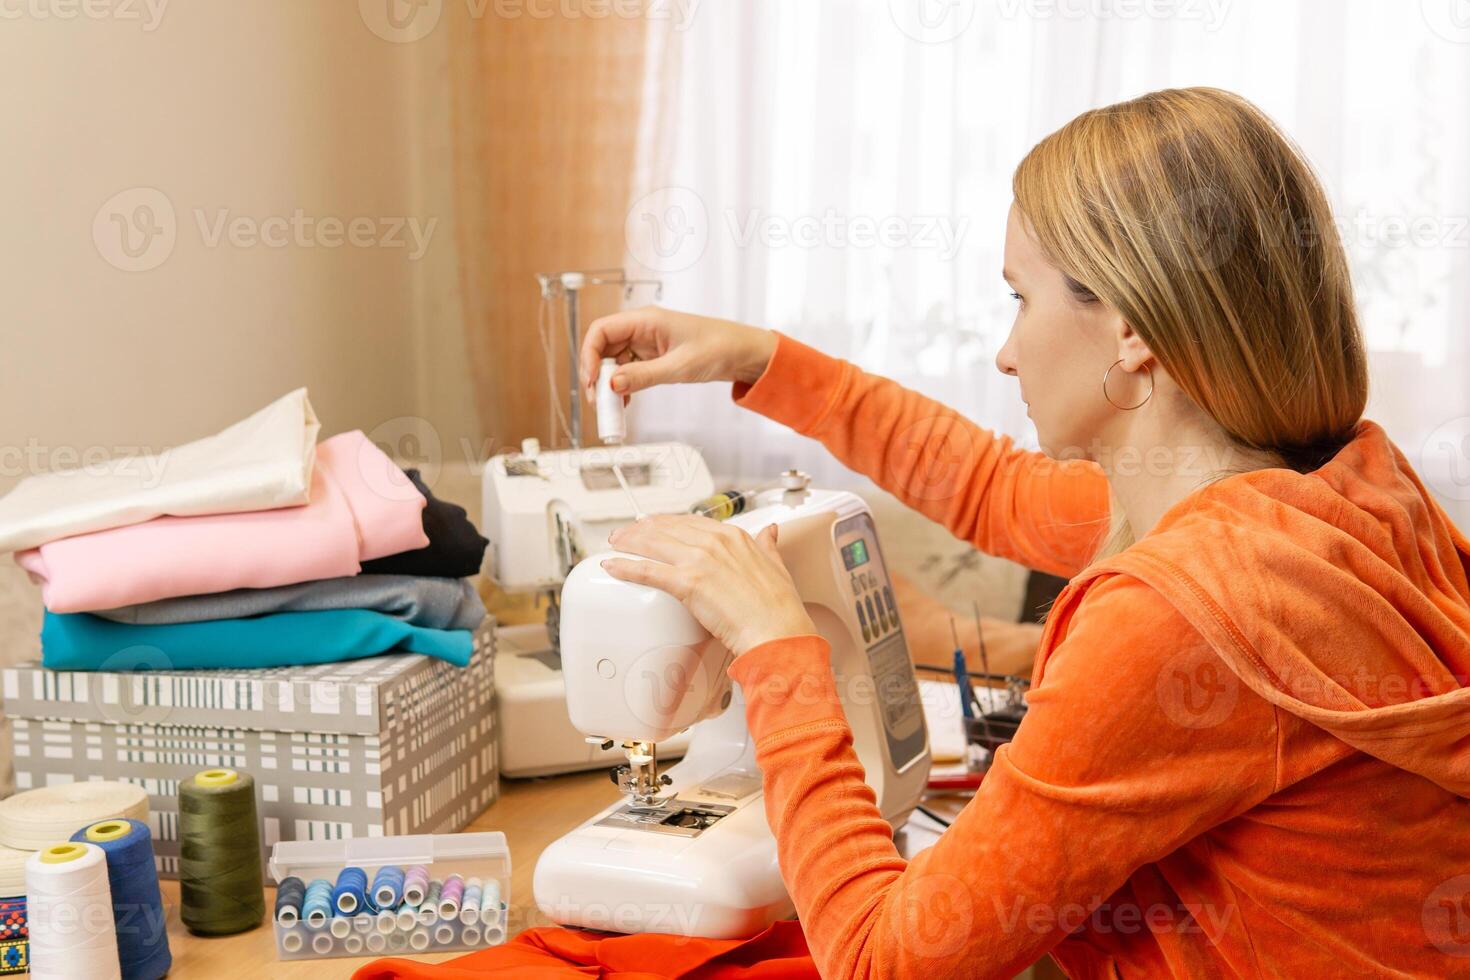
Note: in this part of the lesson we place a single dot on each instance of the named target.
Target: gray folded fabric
(436, 603)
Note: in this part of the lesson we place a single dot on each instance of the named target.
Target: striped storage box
(397, 744)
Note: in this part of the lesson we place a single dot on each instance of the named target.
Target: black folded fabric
(455, 546)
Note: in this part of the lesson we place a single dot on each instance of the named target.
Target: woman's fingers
(655, 574)
(617, 335)
(656, 537)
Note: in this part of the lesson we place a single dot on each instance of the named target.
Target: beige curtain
(545, 117)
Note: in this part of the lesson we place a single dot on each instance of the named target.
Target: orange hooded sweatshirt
(1248, 745)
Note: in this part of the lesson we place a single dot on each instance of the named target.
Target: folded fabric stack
(255, 547)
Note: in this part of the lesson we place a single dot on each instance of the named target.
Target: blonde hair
(1190, 213)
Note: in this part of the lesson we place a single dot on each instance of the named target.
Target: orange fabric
(1248, 743)
(779, 953)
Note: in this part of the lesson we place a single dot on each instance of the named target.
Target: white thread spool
(419, 940)
(612, 427)
(490, 904)
(387, 921)
(321, 944)
(341, 926)
(376, 942)
(444, 934)
(469, 911)
(397, 942)
(362, 923)
(470, 936)
(292, 942)
(69, 914)
(429, 913)
(352, 944)
(407, 918)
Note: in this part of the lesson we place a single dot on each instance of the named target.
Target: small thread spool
(419, 940)
(137, 903)
(321, 943)
(469, 906)
(408, 917)
(612, 427)
(292, 942)
(340, 926)
(352, 944)
(387, 887)
(429, 907)
(316, 907)
(350, 894)
(470, 935)
(69, 914)
(375, 942)
(397, 942)
(362, 923)
(449, 897)
(290, 894)
(490, 903)
(386, 921)
(415, 884)
(221, 891)
(443, 934)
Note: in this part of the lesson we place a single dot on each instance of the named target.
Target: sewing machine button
(606, 668)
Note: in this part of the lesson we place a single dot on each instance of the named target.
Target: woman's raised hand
(655, 346)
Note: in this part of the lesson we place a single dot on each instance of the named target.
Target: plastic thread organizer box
(406, 928)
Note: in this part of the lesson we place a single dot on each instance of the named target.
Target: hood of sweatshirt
(1340, 596)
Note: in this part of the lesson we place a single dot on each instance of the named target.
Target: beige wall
(256, 108)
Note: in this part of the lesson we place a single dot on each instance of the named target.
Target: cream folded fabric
(362, 506)
(260, 463)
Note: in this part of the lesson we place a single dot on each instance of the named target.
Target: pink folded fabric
(362, 507)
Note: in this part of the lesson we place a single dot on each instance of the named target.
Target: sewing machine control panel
(887, 649)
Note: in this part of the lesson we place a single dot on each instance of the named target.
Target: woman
(1248, 745)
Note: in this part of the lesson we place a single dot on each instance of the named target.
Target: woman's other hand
(656, 346)
(734, 584)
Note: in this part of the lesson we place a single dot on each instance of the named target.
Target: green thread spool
(220, 886)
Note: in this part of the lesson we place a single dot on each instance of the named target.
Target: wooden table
(531, 812)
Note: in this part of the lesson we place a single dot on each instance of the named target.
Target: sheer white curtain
(840, 170)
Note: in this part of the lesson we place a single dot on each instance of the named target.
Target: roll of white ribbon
(31, 820)
(13, 872)
(69, 914)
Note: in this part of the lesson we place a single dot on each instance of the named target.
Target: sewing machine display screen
(603, 477)
(887, 649)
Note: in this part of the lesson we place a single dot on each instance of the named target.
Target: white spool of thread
(340, 926)
(352, 944)
(612, 427)
(419, 940)
(470, 936)
(69, 914)
(490, 903)
(444, 934)
(321, 943)
(376, 942)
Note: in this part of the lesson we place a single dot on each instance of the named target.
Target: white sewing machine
(689, 851)
(543, 512)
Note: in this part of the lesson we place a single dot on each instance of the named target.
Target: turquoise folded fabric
(80, 641)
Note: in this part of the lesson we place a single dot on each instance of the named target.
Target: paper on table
(946, 723)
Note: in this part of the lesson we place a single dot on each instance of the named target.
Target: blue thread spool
(316, 909)
(387, 887)
(137, 904)
(289, 895)
(350, 895)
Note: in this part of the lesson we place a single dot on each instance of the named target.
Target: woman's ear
(1132, 351)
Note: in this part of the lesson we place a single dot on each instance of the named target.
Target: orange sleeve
(1110, 771)
(1005, 501)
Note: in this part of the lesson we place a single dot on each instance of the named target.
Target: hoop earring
(1127, 408)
